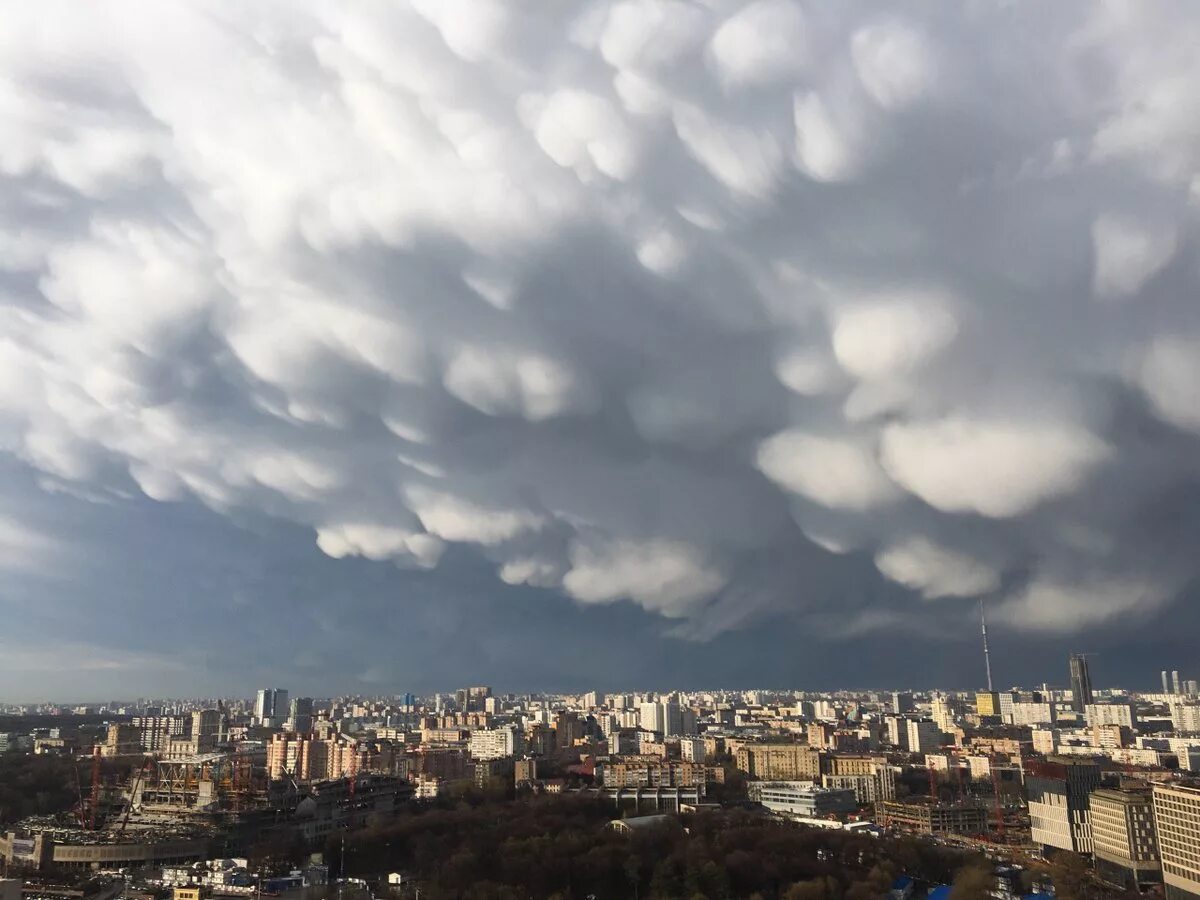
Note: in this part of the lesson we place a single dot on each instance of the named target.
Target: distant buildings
(271, 707)
(1081, 682)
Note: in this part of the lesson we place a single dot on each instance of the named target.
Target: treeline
(560, 847)
(37, 785)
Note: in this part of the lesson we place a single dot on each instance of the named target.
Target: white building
(1110, 714)
(924, 737)
(1027, 713)
(650, 717)
(692, 750)
(1185, 717)
(802, 798)
(496, 743)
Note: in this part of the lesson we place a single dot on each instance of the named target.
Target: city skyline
(730, 342)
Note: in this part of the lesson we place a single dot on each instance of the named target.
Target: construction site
(167, 812)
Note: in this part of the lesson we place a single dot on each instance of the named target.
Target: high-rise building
(943, 712)
(1177, 820)
(496, 743)
(1125, 846)
(1059, 809)
(1166, 684)
(271, 706)
(300, 715)
(924, 737)
(902, 702)
(1175, 686)
(650, 717)
(1081, 682)
(1191, 687)
(672, 717)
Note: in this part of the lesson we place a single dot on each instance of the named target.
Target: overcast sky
(385, 346)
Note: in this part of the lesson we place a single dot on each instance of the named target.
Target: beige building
(1123, 836)
(780, 762)
(1177, 820)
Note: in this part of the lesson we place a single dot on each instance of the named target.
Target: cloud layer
(648, 300)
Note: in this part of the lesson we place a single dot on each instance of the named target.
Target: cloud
(1169, 373)
(635, 301)
(994, 468)
(835, 472)
(1128, 253)
(936, 571)
(666, 576)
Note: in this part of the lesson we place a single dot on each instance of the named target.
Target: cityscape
(181, 794)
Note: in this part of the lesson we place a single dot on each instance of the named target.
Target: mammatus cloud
(639, 300)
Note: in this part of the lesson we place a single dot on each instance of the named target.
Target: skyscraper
(271, 706)
(1081, 683)
(1175, 686)
(1165, 682)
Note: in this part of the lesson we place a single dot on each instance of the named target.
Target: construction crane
(141, 775)
(95, 788)
(996, 800)
(80, 810)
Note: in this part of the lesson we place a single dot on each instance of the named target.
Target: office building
(802, 798)
(987, 704)
(300, 715)
(1123, 837)
(271, 707)
(1081, 682)
(902, 702)
(1177, 821)
(1059, 790)
(1175, 686)
(1166, 684)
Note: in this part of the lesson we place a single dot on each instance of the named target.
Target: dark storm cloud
(734, 311)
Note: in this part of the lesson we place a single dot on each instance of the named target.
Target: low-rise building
(802, 798)
(921, 816)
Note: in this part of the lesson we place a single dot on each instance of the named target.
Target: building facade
(1123, 837)
(1177, 821)
(1059, 791)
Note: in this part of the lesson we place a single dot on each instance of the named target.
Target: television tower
(987, 659)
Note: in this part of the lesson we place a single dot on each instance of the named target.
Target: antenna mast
(987, 660)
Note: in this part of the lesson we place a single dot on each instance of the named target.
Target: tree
(1070, 875)
(972, 883)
